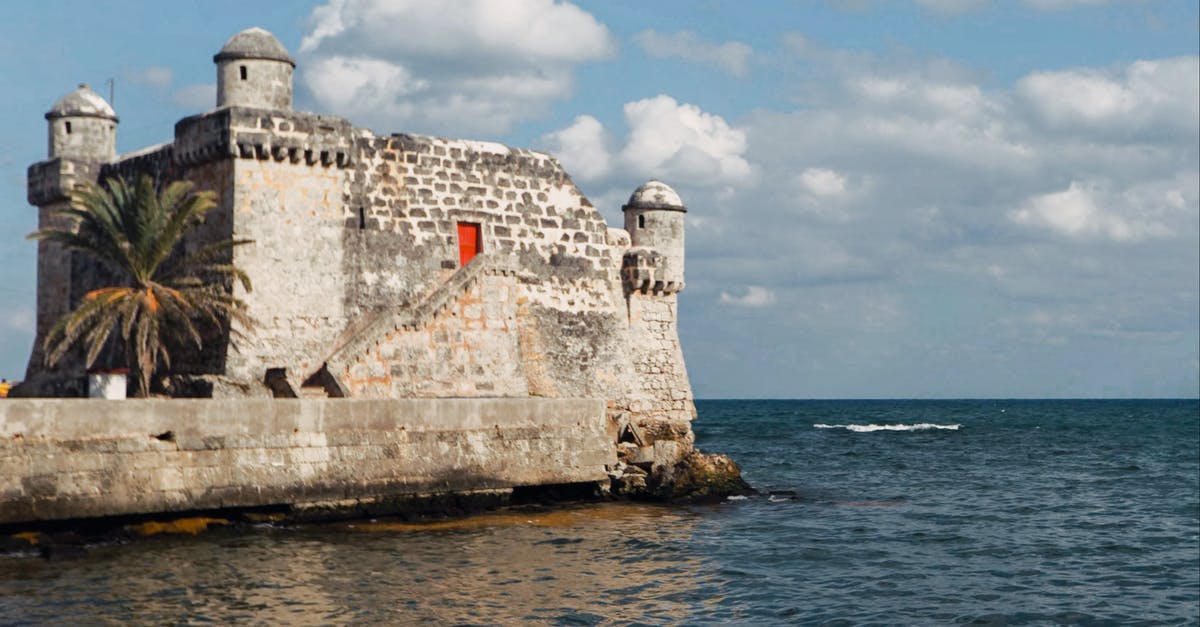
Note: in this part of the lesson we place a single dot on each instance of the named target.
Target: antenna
(112, 86)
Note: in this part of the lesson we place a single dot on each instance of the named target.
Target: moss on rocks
(698, 477)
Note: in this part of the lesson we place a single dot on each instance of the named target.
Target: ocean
(996, 512)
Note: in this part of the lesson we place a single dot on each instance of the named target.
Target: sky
(886, 199)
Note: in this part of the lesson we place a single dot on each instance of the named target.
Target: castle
(397, 266)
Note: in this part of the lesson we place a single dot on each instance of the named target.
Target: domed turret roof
(253, 43)
(82, 102)
(655, 194)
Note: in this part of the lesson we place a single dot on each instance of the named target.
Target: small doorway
(469, 243)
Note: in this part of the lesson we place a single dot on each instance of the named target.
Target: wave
(923, 426)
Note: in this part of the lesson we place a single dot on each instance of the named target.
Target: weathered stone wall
(663, 390)
(262, 83)
(555, 327)
(48, 186)
(293, 215)
(356, 271)
(468, 349)
(83, 137)
(79, 458)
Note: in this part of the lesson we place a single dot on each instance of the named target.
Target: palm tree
(159, 293)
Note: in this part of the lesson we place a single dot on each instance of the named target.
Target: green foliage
(160, 293)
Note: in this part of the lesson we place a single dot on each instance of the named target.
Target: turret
(654, 220)
(82, 126)
(254, 70)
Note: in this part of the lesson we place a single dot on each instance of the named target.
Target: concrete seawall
(76, 458)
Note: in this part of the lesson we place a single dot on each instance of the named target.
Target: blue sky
(927, 198)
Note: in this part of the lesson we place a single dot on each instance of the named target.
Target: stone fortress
(393, 267)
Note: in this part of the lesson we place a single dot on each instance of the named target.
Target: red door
(468, 242)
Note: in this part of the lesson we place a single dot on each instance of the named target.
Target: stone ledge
(77, 458)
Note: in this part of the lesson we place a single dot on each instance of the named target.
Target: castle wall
(470, 349)
(293, 213)
(77, 458)
(553, 323)
(355, 267)
(663, 391)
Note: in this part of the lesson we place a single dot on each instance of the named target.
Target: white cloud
(731, 56)
(755, 297)
(582, 148)
(454, 67)
(1091, 211)
(822, 182)
(680, 142)
(196, 97)
(1155, 97)
(922, 96)
(154, 76)
(668, 140)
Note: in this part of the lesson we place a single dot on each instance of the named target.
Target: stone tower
(652, 273)
(654, 220)
(82, 132)
(82, 125)
(254, 70)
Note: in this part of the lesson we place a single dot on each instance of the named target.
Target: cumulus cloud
(459, 66)
(582, 148)
(730, 56)
(1145, 96)
(822, 182)
(666, 139)
(755, 296)
(954, 204)
(1089, 210)
(679, 141)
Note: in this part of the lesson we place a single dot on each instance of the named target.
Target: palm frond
(160, 296)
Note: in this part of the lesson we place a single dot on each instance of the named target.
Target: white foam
(923, 426)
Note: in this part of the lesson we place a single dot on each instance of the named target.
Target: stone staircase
(360, 339)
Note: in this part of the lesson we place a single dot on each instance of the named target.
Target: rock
(696, 478)
(630, 484)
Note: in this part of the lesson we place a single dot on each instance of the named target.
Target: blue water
(994, 512)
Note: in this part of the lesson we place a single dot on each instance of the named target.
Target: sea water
(870, 512)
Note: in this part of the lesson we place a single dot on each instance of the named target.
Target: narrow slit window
(242, 69)
(362, 218)
(641, 221)
(68, 124)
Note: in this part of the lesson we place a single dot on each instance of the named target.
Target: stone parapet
(53, 180)
(648, 271)
(246, 133)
